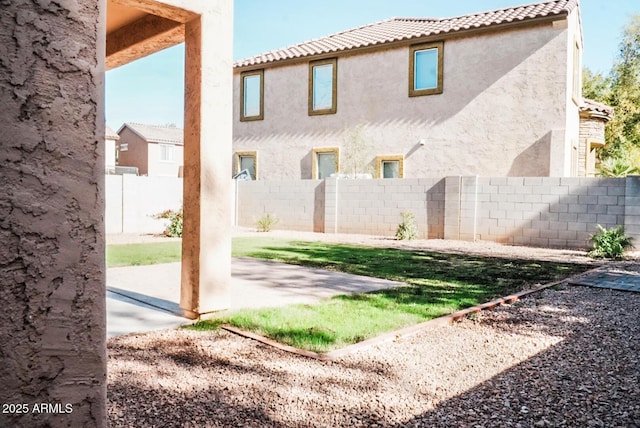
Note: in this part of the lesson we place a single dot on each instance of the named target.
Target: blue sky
(150, 90)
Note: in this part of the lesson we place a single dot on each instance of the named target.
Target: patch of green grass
(143, 254)
(437, 284)
(332, 324)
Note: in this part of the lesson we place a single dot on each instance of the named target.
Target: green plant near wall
(610, 244)
(407, 229)
(616, 167)
(266, 222)
(174, 228)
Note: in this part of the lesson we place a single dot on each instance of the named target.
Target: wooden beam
(154, 7)
(141, 38)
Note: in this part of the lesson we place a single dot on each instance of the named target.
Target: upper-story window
(252, 95)
(425, 69)
(323, 83)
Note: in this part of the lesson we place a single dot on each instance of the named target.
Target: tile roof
(398, 29)
(156, 133)
(109, 134)
(596, 109)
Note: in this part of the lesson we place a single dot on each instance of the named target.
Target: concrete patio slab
(144, 298)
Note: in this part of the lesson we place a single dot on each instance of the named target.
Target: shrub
(266, 222)
(616, 167)
(610, 244)
(407, 229)
(174, 228)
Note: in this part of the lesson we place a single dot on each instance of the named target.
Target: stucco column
(206, 241)
(52, 266)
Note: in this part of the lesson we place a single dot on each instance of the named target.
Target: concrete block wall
(375, 206)
(632, 209)
(133, 201)
(460, 208)
(548, 212)
(533, 211)
(298, 205)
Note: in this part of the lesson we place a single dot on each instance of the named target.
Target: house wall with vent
(503, 110)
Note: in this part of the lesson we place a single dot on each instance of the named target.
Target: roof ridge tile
(398, 28)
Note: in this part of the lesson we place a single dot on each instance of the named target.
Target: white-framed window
(124, 147)
(166, 152)
(425, 69)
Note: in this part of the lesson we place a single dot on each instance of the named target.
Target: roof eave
(563, 15)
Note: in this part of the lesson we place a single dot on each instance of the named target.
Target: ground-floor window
(247, 161)
(390, 166)
(325, 162)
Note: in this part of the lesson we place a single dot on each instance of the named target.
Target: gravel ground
(568, 357)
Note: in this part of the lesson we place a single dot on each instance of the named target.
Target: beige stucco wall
(503, 107)
(571, 153)
(136, 153)
(133, 201)
(52, 268)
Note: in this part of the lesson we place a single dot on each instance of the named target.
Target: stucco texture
(52, 274)
(503, 111)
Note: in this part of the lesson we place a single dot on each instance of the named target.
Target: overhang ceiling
(119, 15)
(137, 28)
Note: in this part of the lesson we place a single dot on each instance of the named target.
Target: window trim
(162, 147)
(314, 159)
(244, 74)
(576, 74)
(389, 158)
(334, 89)
(412, 54)
(248, 153)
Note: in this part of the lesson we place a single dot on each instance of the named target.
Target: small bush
(266, 222)
(174, 228)
(616, 167)
(407, 229)
(610, 244)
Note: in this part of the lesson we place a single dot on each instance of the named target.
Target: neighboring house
(154, 150)
(593, 118)
(110, 139)
(492, 94)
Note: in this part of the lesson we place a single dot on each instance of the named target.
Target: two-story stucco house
(495, 93)
(154, 150)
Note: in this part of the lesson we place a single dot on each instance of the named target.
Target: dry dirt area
(567, 357)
